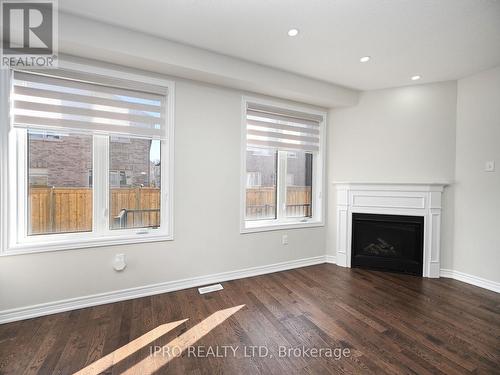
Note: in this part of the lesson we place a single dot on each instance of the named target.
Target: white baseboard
(471, 279)
(331, 259)
(34, 311)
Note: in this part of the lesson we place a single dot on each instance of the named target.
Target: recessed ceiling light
(416, 77)
(365, 59)
(293, 32)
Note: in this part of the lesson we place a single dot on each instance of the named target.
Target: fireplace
(388, 242)
(421, 200)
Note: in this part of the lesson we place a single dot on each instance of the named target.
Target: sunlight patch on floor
(132, 347)
(152, 363)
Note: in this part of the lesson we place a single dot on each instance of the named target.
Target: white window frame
(318, 180)
(13, 179)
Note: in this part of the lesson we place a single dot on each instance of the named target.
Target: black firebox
(388, 242)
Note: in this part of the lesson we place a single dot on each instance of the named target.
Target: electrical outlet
(119, 262)
(284, 239)
(489, 166)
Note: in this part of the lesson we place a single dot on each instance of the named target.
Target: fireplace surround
(422, 201)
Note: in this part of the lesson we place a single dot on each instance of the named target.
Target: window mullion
(101, 184)
(22, 188)
(317, 188)
(281, 185)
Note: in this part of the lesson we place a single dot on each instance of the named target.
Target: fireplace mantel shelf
(393, 198)
(442, 183)
(395, 185)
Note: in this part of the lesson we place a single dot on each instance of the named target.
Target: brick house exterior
(131, 157)
(263, 166)
(66, 161)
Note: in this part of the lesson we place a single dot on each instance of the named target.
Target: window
(45, 136)
(38, 177)
(135, 189)
(282, 166)
(114, 179)
(64, 203)
(299, 166)
(261, 184)
(88, 159)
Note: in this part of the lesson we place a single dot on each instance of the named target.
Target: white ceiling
(438, 39)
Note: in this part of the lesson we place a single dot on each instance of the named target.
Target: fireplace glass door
(388, 242)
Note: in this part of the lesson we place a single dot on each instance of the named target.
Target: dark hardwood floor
(363, 321)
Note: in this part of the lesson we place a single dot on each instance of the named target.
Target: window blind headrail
(283, 118)
(288, 130)
(58, 103)
(270, 111)
(64, 81)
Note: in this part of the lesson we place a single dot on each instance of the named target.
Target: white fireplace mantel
(415, 199)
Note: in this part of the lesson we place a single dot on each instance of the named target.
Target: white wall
(207, 203)
(477, 193)
(404, 135)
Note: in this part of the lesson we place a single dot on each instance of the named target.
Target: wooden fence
(136, 199)
(59, 210)
(261, 202)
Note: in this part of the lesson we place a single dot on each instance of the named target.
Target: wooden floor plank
(389, 323)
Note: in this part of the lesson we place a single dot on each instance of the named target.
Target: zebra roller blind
(64, 103)
(277, 128)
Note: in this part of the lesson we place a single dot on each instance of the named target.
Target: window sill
(254, 227)
(30, 248)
